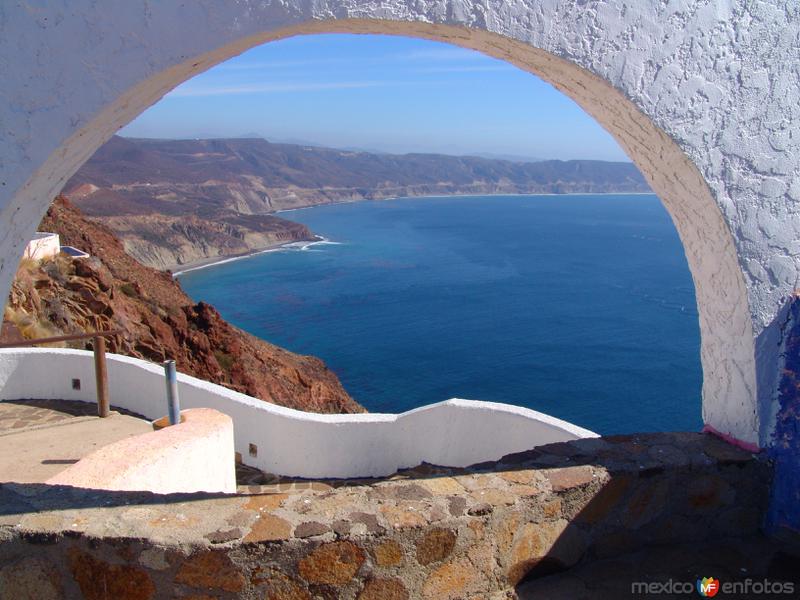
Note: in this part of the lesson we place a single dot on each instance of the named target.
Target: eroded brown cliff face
(111, 290)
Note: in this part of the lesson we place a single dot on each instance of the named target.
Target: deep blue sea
(580, 306)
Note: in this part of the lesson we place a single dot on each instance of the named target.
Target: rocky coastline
(110, 290)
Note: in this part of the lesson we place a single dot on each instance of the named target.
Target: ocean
(579, 306)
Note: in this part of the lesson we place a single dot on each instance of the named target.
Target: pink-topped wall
(194, 456)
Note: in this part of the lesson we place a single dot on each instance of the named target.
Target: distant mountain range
(174, 202)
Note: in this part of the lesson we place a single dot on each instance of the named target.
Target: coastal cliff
(170, 242)
(111, 290)
(174, 202)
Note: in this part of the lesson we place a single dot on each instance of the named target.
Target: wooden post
(100, 371)
(101, 375)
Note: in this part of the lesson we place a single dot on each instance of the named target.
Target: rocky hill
(169, 242)
(144, 189)
(111, 290)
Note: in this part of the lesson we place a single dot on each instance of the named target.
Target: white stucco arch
(700, 93)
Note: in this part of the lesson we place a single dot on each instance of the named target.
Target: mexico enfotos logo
(708, 587)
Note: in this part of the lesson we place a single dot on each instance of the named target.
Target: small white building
(43, 245)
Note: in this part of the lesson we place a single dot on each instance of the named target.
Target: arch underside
(727, 344)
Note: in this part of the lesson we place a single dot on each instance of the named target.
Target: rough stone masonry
(429, 532)
(702, 94)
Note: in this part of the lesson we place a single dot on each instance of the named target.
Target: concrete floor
(39, 439)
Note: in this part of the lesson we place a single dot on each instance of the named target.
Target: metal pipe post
(101, 376)
(173, 402)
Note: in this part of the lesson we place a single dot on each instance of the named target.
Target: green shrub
(224, 359)
(128, 289)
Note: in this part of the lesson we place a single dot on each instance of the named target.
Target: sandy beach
(178, 270)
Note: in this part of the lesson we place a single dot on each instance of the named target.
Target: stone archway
(75, 75)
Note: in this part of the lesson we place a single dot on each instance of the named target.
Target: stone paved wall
(428, 532)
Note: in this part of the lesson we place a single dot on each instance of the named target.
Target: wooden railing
(100, 370)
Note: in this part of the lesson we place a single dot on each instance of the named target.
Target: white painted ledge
(195, 455)
(289, 442)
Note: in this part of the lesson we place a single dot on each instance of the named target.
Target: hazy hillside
(223, 184)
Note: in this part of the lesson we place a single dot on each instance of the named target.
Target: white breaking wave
(288, 246)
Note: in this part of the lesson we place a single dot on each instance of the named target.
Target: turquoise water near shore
(580, 306)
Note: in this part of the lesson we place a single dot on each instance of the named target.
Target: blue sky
(379, 93)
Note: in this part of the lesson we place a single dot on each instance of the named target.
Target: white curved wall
(453, 433)
(702, 94)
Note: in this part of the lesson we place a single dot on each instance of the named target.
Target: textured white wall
(702, 94)
(455, 433)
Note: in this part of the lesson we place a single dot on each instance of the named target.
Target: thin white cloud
(433, 55)
(454, 53)
(467, 69)
(281, 64)
(189, 91)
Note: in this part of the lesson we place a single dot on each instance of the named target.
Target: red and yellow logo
(708, 587)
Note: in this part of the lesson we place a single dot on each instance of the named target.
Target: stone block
(494, 496)
(668, 455)
(268, 528)
(279, 586)
(369, 520)
(569, 477)
(310, 529)
(30, 579)
(552, 508)
(452, 580)
(442, 486)
(482, 555)
(504, 531)
(221, 536)
(525, 490)
(154, 558)
(335, 563)
(481, 509)
(400, 491)
(384, 589)
(723, 452)
(522, 476)
(388, 554)
(456, 505)
(556, 542)
(480, 481)
(341, 527)
(646, 503)
(265, 502)
(435, 545)
(402, 518)
(707, 493)
(606, 500)
(99, 580)
(211, 570)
